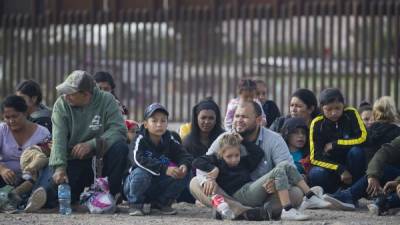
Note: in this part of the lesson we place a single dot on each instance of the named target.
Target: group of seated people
(266, 166)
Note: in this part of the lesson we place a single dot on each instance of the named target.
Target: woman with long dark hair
(205, 127)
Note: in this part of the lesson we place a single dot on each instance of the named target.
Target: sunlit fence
(178, 57)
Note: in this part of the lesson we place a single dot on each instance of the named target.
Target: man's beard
(248, 132)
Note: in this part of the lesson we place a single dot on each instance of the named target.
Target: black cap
(151, 109)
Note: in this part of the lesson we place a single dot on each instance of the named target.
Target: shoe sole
(136, 214)
(168, 213)
(36, 201)
(338, 204)
(298, 219)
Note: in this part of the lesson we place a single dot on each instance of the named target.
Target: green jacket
(101, 118)
(388, 154)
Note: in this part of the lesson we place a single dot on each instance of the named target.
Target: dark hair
(290, 125)
(257, 108)
(246, 85)
(103, 76)
(32, 89)
(308, 97)
(16, 102)
(209, 104)
(364, 106)
(330, 95)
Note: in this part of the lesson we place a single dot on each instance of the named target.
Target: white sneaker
(318, 191)
(36, 201)
(373, 209)
(314, 202)
(293, 214)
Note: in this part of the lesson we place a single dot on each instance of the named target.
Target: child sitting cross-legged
(159, 171)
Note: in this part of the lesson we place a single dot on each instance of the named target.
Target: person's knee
(356, 154)
(140, 174)
(317, 175)
(194, 186)
(283, 165)
(118, 149)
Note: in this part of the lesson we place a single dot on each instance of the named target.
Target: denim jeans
(140, 186)
(358, 189)
(329, 180)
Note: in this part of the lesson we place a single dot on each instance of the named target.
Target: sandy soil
(192, 215)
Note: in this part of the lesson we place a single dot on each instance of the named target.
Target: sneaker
(314, 202)
(147, 208)
(373, 209)
(163, 209)
(136, 210)
(318, 191)
(294, 215)
(341, 200)
(167, 210)
(36, 201)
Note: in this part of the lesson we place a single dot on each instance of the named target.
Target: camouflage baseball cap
(78, 80)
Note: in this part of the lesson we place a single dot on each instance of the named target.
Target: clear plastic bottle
(64, 199)
(222, 207)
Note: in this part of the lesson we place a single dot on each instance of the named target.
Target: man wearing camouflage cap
(86, 122)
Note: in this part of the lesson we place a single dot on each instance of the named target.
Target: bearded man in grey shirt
(247, 122)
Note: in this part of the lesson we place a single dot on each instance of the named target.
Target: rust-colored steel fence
(177, 57)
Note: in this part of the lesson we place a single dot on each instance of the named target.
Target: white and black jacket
(155, 159)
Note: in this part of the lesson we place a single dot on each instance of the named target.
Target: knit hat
(291, 124)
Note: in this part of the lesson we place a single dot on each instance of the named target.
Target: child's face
(366, 116)
(333, 111)
(247, 95)
(261, 93)
(157, 124)
(297, 139)
(231, 155)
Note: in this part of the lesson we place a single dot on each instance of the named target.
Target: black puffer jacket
(156, 158)
(378, 134)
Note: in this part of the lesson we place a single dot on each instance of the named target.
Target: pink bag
(98, 198)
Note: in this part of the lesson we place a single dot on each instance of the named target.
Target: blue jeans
(141, 186)
(329, 180)
(393, 200)
(359, 188)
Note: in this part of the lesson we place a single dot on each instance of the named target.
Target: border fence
(179, 56)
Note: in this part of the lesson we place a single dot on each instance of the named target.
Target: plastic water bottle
(222, 207)
(64, 199)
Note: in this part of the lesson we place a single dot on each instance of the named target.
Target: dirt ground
(192, 215)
